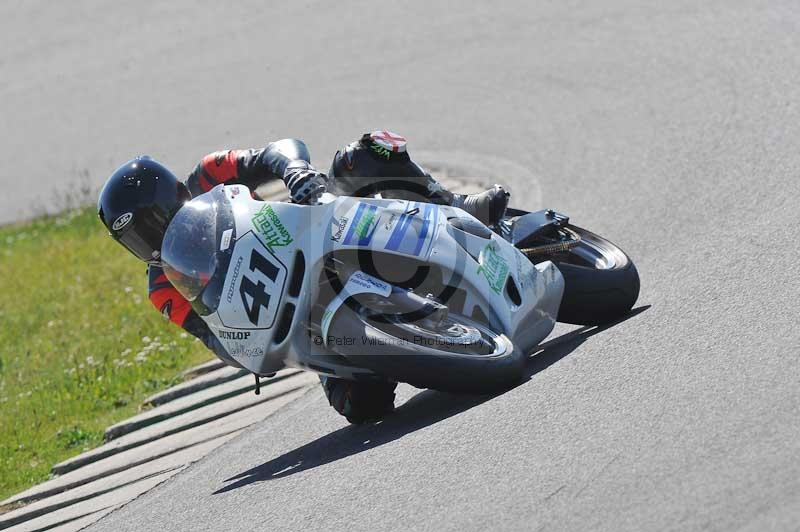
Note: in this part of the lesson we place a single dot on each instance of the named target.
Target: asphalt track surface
(670, 127)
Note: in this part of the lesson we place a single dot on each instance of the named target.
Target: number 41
(258, 290)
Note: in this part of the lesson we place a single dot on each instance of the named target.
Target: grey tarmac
(669, 127)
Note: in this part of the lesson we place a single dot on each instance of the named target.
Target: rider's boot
(360, 401)
(379, 162)
(488, 206)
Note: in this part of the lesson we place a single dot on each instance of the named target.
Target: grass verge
(80, 344)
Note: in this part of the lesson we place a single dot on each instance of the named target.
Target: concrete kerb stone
(83, 494)
(68, 514)
(185, 421)
(194, 401)
(202, 382)
(202, 369)
(152, 451)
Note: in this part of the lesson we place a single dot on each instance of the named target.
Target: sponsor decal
(231, 290)
(413, 245)
(219, 157)
(234, 335)
(122, 221)
(390, 221)
(246, 351)
(269, 225)
(380, 150)
(493, 267)
(427, 219)
(399, 232)
(338, 227)
(363, 227)
(225, 243)
(166, 309)
(367, 281)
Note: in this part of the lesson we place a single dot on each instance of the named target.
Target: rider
(140, 198)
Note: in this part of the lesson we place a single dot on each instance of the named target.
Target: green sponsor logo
(363, 227)
(269, 225)
(380, 150)
(493, 267)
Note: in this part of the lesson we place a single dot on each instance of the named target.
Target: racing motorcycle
(368, 288)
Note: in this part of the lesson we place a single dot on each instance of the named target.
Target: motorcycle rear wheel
(601, 283)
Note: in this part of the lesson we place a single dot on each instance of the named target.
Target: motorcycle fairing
(252, 265)
(358, 283)
(401, 227)
(274, 236)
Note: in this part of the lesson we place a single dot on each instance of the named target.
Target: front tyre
(455, 354)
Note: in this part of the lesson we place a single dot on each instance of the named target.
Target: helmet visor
(143, 238)
(138, 247)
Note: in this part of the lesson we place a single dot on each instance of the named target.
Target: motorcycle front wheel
(456, 354)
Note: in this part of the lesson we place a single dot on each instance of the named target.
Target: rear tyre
(601, 283)
(457, 355)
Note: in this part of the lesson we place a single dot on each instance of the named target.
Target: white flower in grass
(146, 340)
(128, 289)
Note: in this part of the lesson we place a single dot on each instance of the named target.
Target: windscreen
(189, 253)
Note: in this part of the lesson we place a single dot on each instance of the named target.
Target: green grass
(80, 343)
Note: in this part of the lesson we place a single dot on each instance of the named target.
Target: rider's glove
(305, 183)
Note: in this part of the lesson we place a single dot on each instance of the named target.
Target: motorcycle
(381, 288)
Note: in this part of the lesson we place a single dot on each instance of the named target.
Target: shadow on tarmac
(424, 409)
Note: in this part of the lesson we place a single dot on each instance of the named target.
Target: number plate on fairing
(254, 286)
